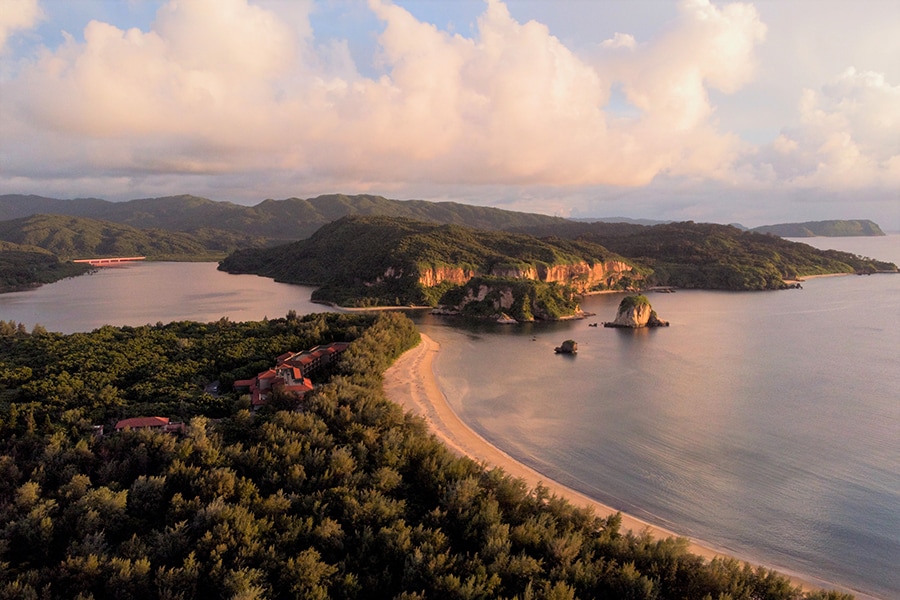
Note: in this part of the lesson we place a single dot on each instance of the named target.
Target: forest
(348, 259)
(340, 495)
(23, 267)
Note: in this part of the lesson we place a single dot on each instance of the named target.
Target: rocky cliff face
(434, 276)
(635, 312)
(583, 277)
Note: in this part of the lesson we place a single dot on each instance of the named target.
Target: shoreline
(411, 383)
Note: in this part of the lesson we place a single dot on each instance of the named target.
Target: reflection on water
(149, 292)
(766, 423)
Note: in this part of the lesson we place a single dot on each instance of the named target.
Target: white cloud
(226, 86)
(620, 40)
(17, 14)
(848, 136)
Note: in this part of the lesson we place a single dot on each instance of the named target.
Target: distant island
(841, 228)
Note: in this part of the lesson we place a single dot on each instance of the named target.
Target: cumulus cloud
(228, 86)
(848, 136)
(620, 40)
(17, 14)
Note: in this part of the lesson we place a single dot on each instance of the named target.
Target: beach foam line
(411, 383)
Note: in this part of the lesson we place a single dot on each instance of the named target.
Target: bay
(766, 423)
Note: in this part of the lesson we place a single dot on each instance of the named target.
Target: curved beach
(411, 382)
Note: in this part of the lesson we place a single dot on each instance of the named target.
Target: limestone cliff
(635, 312)
(582, 277)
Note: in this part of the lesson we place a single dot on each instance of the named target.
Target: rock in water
(635, 312)
(567, 347)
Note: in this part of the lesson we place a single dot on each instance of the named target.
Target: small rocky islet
(636, 312)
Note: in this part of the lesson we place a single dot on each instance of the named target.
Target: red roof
(138, 422)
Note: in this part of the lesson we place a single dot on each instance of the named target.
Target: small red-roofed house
(157, 423)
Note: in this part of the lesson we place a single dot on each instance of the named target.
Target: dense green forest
(78, 237)
(339, 496)
(710, 256)
(23, 267)
(363, 261)
(851, 227)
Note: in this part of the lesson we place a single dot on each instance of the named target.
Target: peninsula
(374, 261)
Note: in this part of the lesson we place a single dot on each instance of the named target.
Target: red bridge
(108, 262)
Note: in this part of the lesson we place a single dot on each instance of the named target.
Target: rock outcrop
(635, 312)
(510, 299)
(567, 347)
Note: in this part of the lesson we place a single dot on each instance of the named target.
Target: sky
(731, 112)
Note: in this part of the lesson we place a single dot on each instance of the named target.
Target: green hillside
(77, 237)
(23, 267)
(854, 228)
(379, 260)
(276, 220)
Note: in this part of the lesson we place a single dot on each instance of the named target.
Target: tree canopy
(343, 496)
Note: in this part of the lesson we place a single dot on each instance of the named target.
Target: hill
(23, 267)
(381, 260)
(78, 237)
(711, 256)
(277, 221)
(845, 228)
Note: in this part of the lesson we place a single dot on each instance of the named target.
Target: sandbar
(411, 383)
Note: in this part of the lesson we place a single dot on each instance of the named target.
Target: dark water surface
(767, 424)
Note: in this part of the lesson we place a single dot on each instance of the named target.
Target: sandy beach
(411, 382)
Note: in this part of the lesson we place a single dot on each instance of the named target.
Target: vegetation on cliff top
(521, 299)
(366, 261)
(343, 496)
(633, 301)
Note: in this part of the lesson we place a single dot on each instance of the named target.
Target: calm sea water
(148, 292)
(767, 424)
